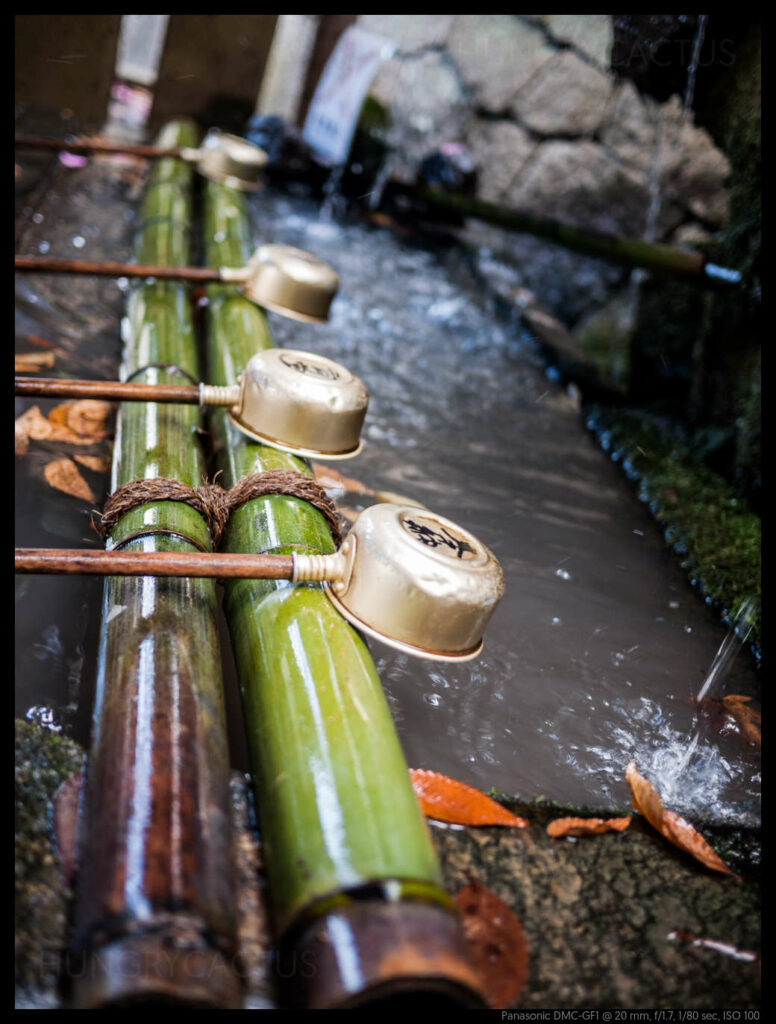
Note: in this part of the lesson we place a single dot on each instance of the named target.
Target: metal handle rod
(75, 561)
(82, 146)
(110, 390)
(33, 264)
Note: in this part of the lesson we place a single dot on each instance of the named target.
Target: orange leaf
(747, 719)
(496, 942)
(585, 826)
(446, 799)
(97, 463)
(327, 476)
(64, 476)
(678, 831)
(27, 362)
(88, 417)
(34, 424)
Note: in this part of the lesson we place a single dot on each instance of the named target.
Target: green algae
(706, 522)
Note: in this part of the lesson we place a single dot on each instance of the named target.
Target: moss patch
(44, 760)
(706, 523)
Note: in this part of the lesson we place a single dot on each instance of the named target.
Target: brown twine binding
(215, 504)
(285, 481)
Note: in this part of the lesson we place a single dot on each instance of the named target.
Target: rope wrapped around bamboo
(215, 504)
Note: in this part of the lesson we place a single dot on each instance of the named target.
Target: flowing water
(599, 648)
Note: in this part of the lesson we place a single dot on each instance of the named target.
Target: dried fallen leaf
(497, 944)
(585, 826)
(446, 799)
(88, 417)
(681, 833)
(34, 424)
(746, 718)
(58, 415)
(327, 476)
(28, 362)
(97, 463)
(64, 476)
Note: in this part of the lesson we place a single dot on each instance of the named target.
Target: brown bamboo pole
(155, 907)
(36, 265)
(110, 390)
(86, 146)
(84, 561)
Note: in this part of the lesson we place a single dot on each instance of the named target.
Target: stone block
(593, 34)
(425, 100)
(567, 96)
(500, 149)
(409, 31)
(496, 55)
(580, 183)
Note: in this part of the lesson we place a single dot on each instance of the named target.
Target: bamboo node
(215, 504)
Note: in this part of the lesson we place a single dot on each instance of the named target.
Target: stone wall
(552, 130)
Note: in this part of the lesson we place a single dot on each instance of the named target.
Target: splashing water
(730, 646)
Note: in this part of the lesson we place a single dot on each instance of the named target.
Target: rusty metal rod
(35, 265)
(110, 390)
(86, 562)
(86, 145)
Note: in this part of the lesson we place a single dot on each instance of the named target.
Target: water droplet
(556, 621)
(673, 604)
(687, 629)
(433, 699)
(37, 218)
(44, 247)
(563, 573)
(219, 236)
(77, 241)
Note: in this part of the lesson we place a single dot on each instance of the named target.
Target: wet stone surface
(598, 912)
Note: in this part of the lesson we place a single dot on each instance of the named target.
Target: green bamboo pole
(337, 810)
(656, 257)
(155, 904)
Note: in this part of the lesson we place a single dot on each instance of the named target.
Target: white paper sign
(339, 96)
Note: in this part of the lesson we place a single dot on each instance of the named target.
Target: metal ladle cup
(229, 159)
(288, 281)
(296, 401)
(412, 579)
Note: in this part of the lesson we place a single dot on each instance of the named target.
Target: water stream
(599, 648)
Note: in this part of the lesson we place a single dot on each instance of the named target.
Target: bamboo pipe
(155, 906)
(222, 157)
(36, 265)
(282, 278)
(110, 390)
(353, 878)
(200, 565)
(86, 146)
(629, 252)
